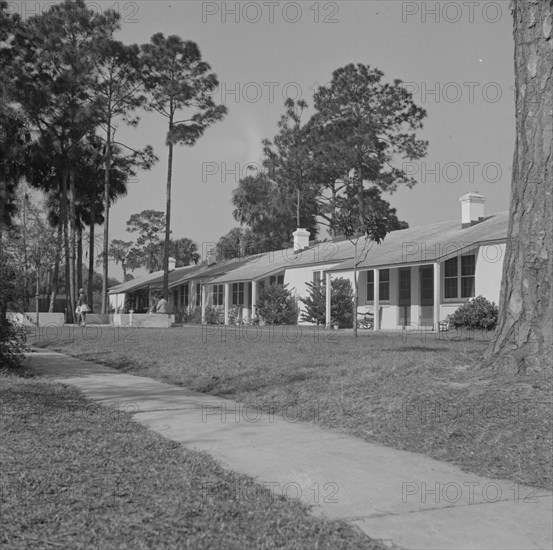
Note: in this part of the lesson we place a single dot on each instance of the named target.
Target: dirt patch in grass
(418, 393)
(78, 475)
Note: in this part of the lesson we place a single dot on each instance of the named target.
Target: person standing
(161, 306)
(82, 307)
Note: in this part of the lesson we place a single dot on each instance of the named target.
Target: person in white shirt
(161, 306)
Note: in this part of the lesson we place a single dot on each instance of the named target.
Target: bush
(341, 305)
(13, 343)
(12, 335)
(277, 306)
(195, 316)
(478, 313)
(211, 315)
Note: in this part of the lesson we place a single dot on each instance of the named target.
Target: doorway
(427, 296)
(404, 298)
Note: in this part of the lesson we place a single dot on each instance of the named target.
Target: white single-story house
(236, 292)
(185, 288)
(414, 278)
(417, 276)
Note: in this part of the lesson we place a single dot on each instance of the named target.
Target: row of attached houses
(415, 277)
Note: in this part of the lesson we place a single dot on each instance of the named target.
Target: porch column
(254, 300)
(328, 315)
(376, 299)
(227, 300)
(437, 295)
(204, 301)
(246, 301)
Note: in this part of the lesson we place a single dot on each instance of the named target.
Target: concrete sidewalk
(405, 499)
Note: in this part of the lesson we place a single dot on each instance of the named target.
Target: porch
(412, 297)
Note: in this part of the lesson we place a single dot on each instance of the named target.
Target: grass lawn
(416, 393)
(78, 475)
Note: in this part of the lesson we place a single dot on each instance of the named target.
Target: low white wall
(29, 318)
(145, 320)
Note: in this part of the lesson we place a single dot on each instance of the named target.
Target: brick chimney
(211, 256)
(301, 239)
(472, 208)
(172, 264)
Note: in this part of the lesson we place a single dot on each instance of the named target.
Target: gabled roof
(421, 244)
(428, 243)
(271, 263)
(154, 280)
(136, 284)
(184, 275)
(179, 276)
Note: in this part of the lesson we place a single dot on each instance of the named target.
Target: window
(370, 286)
(276, 280)
(405, 286)
(383, 285)
(468, 269)
(184, 295)
(459, 277)
(450, 278)
(238, 294)
(218, 295)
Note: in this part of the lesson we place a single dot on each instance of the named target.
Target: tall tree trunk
(55, 278)
(355, 290)
(26, 304)
(168, 213)
(333, 211)
(524, 337)
(105, 256)
(37, 295)
(72, 239)
(66, 246)
(79, 256)
(3, 295)
(298, 208)
(90, 289)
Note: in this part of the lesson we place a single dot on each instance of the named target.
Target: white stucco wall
(489, 267)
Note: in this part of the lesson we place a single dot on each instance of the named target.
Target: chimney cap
(473, 196)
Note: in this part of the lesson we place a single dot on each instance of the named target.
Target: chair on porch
(445, 325)
(365, 317)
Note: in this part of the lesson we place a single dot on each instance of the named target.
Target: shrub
(341, 305)
(211, 315)
(277, 306)
(478, 313)
(13, 343)
(195, 316)
(12, 335)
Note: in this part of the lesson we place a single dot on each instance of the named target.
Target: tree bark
(90, 291)
(55, 277)
(106, 217)
(168, 212)
(64, 222)
(355, 291)
(26, 304)
(79, 257)
(72, 240)
(524, 338)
